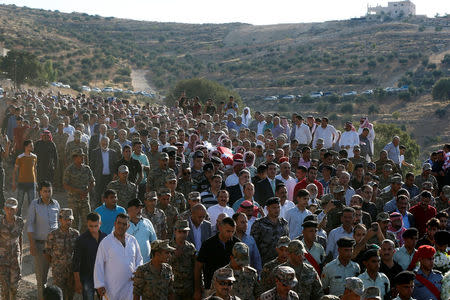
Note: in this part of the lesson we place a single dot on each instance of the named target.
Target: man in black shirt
(134, 166)
(84, 255)
(388, 266)
(214, 254)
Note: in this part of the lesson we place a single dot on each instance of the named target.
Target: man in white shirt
(200, 228)
(220, 208)
(300, 132)
(285, 177)
(260, 125)
(118, 257)
(327, 133)
(349, 139)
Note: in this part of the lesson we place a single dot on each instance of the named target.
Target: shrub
(440, 112)
(441, 89)
(405, 96)
(347, 108)
(373, 109)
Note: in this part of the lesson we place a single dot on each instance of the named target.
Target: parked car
(316, 94)
(367, 92)
(2, 92)
(351, 93)
(326, 94)
(96, 89)
(85, 88)
(404, 88)
(271, 98)
(108, 90)
(66, 86)
(288, 97)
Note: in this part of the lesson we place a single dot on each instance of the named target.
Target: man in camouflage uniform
(193, 199)
(385, 176)
(185, 183)
(153, 154)
(11, 229)
(76, 144)
(426, 176)
(222, 283)
(59, 252)
(334, 214)
(285, 280)
(177, 199)
(357, 158)
(183, 261)
(126, 190)
(267, 230)
(157, 177)
(309, 285)
(113, 144)
(78, 182)
(154, 280)
(60, 140)
(170, 211)
(267, 280)
(155, 215)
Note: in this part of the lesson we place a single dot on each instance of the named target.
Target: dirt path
(139, 81)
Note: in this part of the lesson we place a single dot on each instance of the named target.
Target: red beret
(283, 159)
(425, 251)
(238, 156)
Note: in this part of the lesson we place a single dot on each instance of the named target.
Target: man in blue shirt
(393, 150)
(109, 211)
(428, 282)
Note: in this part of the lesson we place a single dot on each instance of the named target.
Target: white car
(288, 97)
(316, 94)
(351, 93)
(368, 92)
(108, 90)
(66, 86)
(85, 88)
(96, 89)
(271, 98)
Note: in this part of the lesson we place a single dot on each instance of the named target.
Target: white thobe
(115, 265)
(328, 134)
(303, 134)
(349, 138)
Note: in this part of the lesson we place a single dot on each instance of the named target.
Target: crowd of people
(197, 201)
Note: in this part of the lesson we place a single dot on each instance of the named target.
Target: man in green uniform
(76, 144)
(60, 140)
(285, 281)
(158, 174)
(267, 280)
(126, 190)
(177, 199)
(155, 215)
(170, 211)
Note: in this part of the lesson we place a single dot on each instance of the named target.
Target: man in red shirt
(423, 211)
(310, 178)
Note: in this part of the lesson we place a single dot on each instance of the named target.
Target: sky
(257, 12)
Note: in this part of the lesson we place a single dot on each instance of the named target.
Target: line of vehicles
(88, 89)
(321, 94)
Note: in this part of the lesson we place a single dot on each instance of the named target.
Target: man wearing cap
(222, 282)
(157, 177)
(155, 279)
(372, 276)
(426, 176)
(11, 234)
(77, 143)
(267, 280)
(428, 282)
(404, 255)
(59, 252)
(183, 261)
(134, 166)
(404, 284)
(354, 289)
(423, 211)
(309, 285)
(60, 139)
(155, 215)
(314, 251)
(383, 221)
(126, 190)
(442, 202)
(141, 228)
(78, 181)
(371, 293)
(285, 281)
(177, 199)
(335, 272)
(390, 194)
(426, 186)
(170, 211)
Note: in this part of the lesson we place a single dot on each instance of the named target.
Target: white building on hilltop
(396, 9)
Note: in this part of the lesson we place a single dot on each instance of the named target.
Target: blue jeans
(28, 188)
(88, 289)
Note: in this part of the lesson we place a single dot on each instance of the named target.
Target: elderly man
(393, 150)
(200, 228)
(287, 179)
(118, 257)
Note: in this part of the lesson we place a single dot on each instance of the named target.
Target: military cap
(372, 292)
(77, 152)
(240, 254)
(154, 143)
(159, 245)
(163, 191)
(372, 183)
(369, 254)
(404, 277)
(319, 141)
(446, 191)
(330, 297)
(272, 200)
(224, 274)
(286, 275)
(371, 166)
(410, 233)
(338, 189)
(310, 224)
(296, 247)
(426, 167)
(425, 251)
(215, 159)
(123, 169)
(11, 203)
(387, 167)
(442, 237)
(357, 147)
(182, 225)
(163, 156)
(383, 216)
(208, 167)
(344, 160)
(198, 154)
(283, 241)
(354, 284)
(194, 196)
(171, 177)
(396, 179)
(151, 195)
(135, 202)
(345, 242)
(66, 213)
(427, 185)
(325, 199)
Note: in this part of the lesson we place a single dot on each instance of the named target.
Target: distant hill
(257, 61)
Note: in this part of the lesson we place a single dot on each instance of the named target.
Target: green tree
(21, 66)
(48, 73)
(441, 89)
(204, 89)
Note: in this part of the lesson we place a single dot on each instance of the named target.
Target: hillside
(255, 60)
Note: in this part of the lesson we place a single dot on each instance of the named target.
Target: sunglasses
(225, 283)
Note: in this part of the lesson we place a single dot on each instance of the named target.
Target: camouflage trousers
(9, 281)
(81, 208)
(63, 278)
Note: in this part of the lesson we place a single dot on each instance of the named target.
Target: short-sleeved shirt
(109, 217)
(27, 168)
(144, 233)
(334, 274)
(381, 282)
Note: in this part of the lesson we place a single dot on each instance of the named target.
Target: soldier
(384, 160)
(47, 157)
(285, 280)
(170, 211)
(154, 280)
(222, 282)
(385, 177)
(177, 199)
(357, 158)
(183, 261)
(59, 252)
(309, 285)
(354, 288)
(193, 200)
(428, 282)
(78, 182)
(76, 144)
(267, 230)
(60, 140)
(185, 183)
(155, 215)
(158, 175)
(126, 190)
(11, 229)
(153, 154)
(267, 280)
